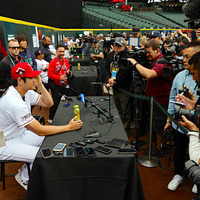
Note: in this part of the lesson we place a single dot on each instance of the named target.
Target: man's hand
(190, 104)
(167, 126)
(132, 60)
(74, 125)
(63, 77)
(188, 124)
(111, 82)
(38, 82)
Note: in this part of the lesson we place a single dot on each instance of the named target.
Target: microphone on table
(88, 134)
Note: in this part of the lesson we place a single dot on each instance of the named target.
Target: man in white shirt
(23, 133)
(42, 65)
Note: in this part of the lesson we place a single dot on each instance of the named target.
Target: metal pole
(149, 161)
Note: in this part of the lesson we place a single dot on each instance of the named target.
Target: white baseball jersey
(15, 113)
(41, 65)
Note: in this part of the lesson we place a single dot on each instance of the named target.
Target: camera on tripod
(139, 54)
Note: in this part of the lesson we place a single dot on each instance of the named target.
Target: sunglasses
(14, 47)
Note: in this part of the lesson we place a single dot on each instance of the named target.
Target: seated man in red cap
(23, 133)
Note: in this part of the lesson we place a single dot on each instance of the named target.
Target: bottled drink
(77, 112)
(79, 66)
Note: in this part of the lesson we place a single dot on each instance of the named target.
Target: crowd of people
(121, 61)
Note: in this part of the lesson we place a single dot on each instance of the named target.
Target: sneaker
(63, 98)
(18, 178)
(194, 189)
(49, 121)
(175, 182)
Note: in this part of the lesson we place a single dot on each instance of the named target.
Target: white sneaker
(63, 98)
(175, 182)
(18, 178)
(194, 189)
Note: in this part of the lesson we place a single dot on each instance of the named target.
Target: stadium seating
(143, 19)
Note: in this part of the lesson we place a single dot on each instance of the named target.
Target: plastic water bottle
(77, 112)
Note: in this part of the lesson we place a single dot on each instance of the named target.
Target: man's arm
(194, 144)
(44, 130)
(45, 98)
(145, 72)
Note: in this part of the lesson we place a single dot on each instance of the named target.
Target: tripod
(138, 87)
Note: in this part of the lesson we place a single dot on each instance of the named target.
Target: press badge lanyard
(114, 67)
(60, 66)
(11, 60)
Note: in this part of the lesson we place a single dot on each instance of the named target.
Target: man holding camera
(119, 75)
(58, 70)
(157, 86)
(194, 142)
(182, 79)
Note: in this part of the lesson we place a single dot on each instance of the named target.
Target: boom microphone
(191, 9)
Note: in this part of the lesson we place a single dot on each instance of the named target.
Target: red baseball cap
(23, 69)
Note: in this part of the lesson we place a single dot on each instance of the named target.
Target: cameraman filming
(157, 86)
(194, 142)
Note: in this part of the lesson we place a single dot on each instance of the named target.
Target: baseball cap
(23, 69)
(135, 29)
(65, 44)
(39, 52)
(95, 41)
(120, 41)
(154, 34)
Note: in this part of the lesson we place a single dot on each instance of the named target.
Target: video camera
(108, 41)
(174, 66)
(139, 54)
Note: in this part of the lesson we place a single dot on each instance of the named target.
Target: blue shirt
(183, 78)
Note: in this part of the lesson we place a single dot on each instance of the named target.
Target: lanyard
(11, 60)
(60, 66)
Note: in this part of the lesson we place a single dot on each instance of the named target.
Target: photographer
(119, 75)
(183, 78)
(157, 86)
(194, 142)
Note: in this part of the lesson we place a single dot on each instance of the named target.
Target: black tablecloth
(83, 61)
(82, 82)
(104, 177)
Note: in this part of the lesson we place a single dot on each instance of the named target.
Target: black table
(104, 177)
(83, 61)
(83, 79)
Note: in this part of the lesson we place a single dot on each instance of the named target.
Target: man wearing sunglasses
(9, 62)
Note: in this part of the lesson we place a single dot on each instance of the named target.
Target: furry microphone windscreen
(191, 9)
